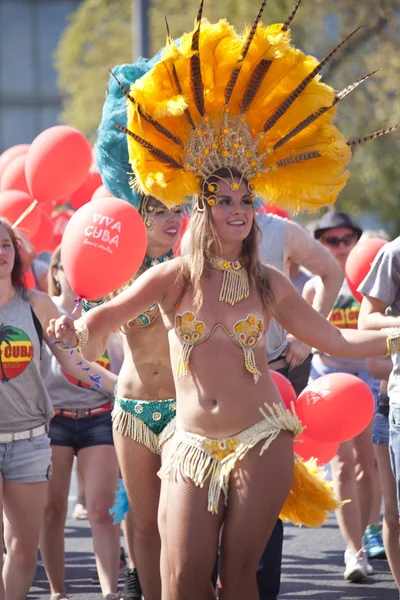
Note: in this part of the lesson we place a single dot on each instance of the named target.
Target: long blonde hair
(53, 288)
(203, 235)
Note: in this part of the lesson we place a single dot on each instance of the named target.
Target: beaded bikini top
(191, 331)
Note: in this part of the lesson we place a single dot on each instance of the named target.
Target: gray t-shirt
(383, 283)
(271, 251)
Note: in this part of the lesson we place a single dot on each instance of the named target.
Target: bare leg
(349, 515)
(367, 479)
(23, 510)
(2, 596)
(258, 489)
(391, 528)
(139, 467)
(192, 538)
(55, 514)
(81, 486)
(162, 527)
(99, 468)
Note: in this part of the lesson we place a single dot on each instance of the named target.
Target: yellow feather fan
(250, 102)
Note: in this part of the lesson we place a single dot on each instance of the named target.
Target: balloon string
(96, 377)
(77, 301)
(26, 212)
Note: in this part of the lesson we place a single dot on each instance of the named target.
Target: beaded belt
(82, 413)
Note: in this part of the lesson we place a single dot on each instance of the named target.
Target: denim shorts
(380, 429)
(394, 446)
(26, 461)
(81, 433)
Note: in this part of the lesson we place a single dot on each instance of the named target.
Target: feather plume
(288, 23)
(317, 114)
(195, 67)
(292, 97)
(255, 82)
(159, 154)
(372, 136)
(235, 73)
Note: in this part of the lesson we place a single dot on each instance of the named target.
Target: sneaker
(372, 540)
(356, 565)
(132, 589)
(59, 596)
(80, 512)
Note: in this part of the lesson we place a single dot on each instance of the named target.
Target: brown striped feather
(372, 136)
(195, 66)
(158, 154)
(286, 104)
(254, 83)
(288, 23)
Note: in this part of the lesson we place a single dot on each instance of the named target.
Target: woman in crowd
(81, 427)
(192, 131)
(144, 412)
(354, 469)
(381, 369)
(25, 410)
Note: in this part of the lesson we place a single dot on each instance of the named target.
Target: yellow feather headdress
(252, 103)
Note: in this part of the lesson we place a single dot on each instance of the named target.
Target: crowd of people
(166, 383)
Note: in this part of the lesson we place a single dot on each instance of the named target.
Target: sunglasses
(346, 240)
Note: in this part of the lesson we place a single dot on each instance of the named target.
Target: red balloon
(274, 210)
(10, 154)
(308, 448)
(29, 280)
(86, 191)
(285, 388)
(359, 262)
(177, 248)
(12, 204)
(60, 220)
(14, 175)
(42, 240)
(336, 407)
(103, 246)
(57, 163)
(101, 192)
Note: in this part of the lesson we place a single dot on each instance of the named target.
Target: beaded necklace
(235, 282)
(152, 262)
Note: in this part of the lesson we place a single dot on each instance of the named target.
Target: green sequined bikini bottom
(148, 422)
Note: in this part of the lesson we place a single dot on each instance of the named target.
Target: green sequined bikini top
(246, 334)
(148, 317)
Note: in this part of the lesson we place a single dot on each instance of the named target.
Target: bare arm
(304, 250)
(372, 315)
(380, 367)
(45, 310)
(300, 319)
(155, 286)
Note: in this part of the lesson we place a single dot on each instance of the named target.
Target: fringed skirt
(201, 459)
(148, 422)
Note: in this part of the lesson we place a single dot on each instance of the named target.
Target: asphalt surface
(312, 567)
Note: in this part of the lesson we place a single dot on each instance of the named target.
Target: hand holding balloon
(63, 330)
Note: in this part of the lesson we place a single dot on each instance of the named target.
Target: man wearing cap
(339, 234)
(283, 244)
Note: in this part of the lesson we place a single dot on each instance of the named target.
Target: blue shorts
(81, 433)
(26, 461)
(380, 429)
(394, 446)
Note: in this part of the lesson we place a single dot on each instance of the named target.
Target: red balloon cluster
(333, 409)
(359, 262)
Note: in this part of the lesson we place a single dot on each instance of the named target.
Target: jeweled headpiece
(252, 103)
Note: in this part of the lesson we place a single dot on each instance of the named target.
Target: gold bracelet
(82, 335)
(392, 340)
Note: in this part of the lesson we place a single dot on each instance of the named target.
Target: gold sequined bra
(246, 334)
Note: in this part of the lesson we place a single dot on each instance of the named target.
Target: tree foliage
(99, 35)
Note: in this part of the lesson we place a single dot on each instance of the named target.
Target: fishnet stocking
(139, 467)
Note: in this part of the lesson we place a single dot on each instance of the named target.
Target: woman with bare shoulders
(193, 131)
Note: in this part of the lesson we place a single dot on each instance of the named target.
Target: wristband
(392, 340)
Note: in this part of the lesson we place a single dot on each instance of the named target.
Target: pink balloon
(101, 192)
(335, 407)
(10, 154)
(58, 163)
(14, 175)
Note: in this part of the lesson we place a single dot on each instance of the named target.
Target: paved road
(312, 568)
